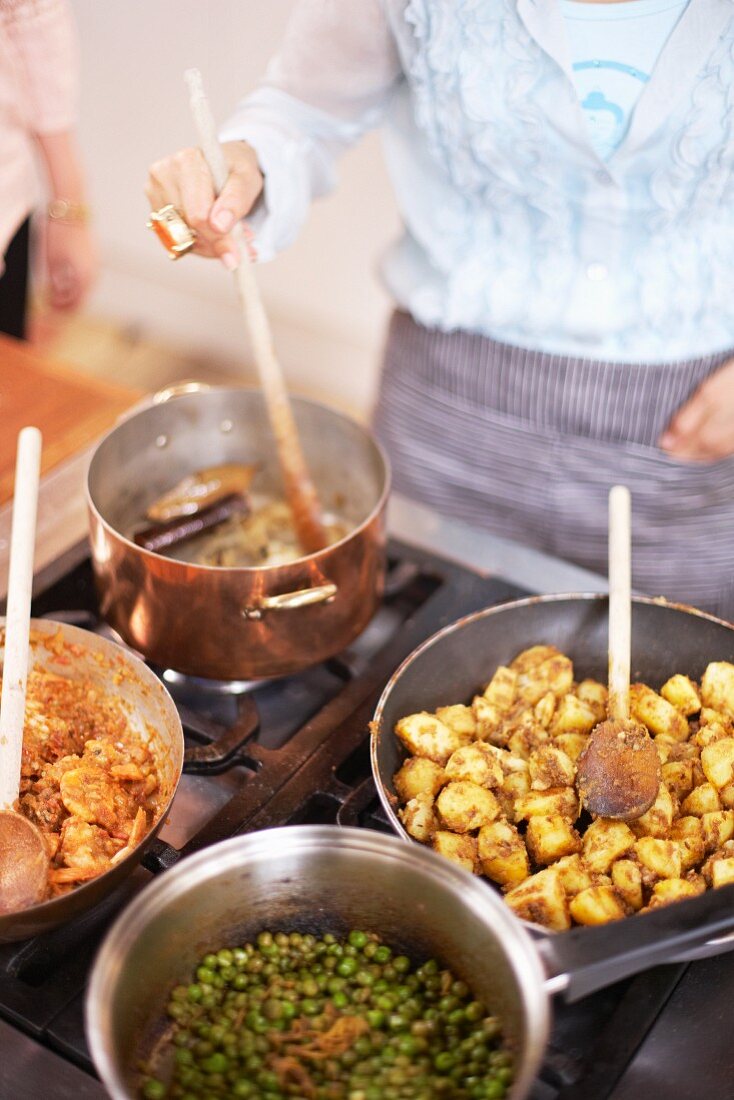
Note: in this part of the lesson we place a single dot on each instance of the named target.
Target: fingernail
(230, 261)
(223, 220)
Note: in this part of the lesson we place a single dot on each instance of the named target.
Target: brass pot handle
(291, 601)
(178, 389)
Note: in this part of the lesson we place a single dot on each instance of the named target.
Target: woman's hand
(184, 181)
(703, 429)
(71, 263)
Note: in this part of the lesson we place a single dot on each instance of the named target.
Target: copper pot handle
(291, 601)
(178, 389)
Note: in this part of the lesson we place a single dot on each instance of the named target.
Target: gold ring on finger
(172, 230)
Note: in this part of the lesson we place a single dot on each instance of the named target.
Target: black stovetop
(297, 751)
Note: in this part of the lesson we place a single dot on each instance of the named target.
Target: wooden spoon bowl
(619, 771)
(23, 862)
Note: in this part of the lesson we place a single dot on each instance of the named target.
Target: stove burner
(173, 679)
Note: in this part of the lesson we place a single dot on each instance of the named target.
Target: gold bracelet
(67, 212)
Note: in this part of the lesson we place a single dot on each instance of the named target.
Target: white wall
(327, 309)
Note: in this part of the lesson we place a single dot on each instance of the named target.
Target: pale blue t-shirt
(614, 48)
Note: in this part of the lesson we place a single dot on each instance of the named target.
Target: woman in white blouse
(565, 283)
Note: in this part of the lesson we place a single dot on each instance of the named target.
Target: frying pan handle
(584, 960)
(291, 601)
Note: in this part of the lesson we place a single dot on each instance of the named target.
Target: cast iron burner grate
(292, 751)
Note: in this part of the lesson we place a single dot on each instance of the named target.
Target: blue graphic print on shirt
(606, 118)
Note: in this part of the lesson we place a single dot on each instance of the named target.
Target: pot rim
(376, 730)
(230, 855)
(243, 570)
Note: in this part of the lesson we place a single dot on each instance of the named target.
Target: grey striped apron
(526, 445)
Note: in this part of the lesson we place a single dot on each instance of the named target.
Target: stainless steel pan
(451, 665)
(152, 713)
(321, 878)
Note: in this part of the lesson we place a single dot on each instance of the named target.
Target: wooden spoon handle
(620, 601)
(299, 489)
(17, 624)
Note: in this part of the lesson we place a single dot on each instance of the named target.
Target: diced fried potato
(542, 900)
(502, 853)
(557, 800)
(526, 739)
(658, 819)
(711, 717)
(574, 874)
(651, 710)
(573, 744)
(465, 806)
(476, 762)
(662, 857)
(550, 838)
(702, 800)
(594, 695)
(682, 693)
(679, 750)
(672, 889)
(489, 721)
(717, 761)
(459, 718)
(597, 905)
(692, 852)
(627, 882)
(544, 709)
(419, 817)
(516, 785)
(717, 687)
(678, 778)
(502, 688)
(530, 658)
(726, 797)
(550, 767)
(418, 774)
(426, 735)
(573, 716)
(718, 827)
(725, 852)
(604, 842)
(459, 849)
(710, 733)
(553, 674)
(722, 872)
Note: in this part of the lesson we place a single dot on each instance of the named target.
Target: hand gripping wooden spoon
(300, 491)
(23, 854)
(619, 770)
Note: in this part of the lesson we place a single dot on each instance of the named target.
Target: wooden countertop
(72, 411)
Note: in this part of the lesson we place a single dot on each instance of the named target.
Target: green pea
(154, 1089)
(358, 939)
(347, 967)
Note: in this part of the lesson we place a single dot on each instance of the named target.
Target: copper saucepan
(236, 623)
(450, 666)
(80, 655)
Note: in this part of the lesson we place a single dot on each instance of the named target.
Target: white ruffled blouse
(514, 227)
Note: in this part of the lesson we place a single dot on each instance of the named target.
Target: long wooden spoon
(299, 488)
(619, 769)
(23, 854)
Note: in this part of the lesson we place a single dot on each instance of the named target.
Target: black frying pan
(453, 665)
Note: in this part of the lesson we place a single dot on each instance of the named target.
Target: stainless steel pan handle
(584, 960)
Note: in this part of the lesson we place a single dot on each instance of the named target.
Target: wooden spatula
(619, 769)
(23, 854)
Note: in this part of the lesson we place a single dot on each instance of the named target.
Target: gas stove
(296, 751)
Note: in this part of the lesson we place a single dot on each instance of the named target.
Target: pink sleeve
(43, 35)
